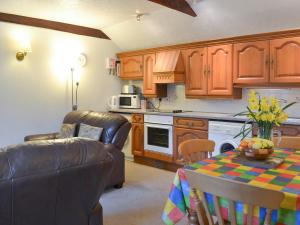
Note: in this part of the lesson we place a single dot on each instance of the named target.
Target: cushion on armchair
(67, 130)
(91, 132)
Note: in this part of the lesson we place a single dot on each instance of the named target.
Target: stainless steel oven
(158, 133)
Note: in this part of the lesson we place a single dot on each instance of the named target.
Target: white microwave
(128, 101)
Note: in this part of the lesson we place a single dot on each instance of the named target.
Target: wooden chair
(233, 191)
(287, 142)
(196, 149)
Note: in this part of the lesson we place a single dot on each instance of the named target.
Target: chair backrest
(233, 191)
(194, 150)
(287, 142)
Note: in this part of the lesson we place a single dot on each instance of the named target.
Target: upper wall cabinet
(209, 72)
(151, 89)
(219, 70)
(251, 62)
(285, 60)
(195, 80)
(132, 68)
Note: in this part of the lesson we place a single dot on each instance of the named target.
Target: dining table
(285, 178)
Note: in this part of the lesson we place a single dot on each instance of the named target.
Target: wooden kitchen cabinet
(195, 80)
(219, 70)
(251, 62)
(151, 89)
(137, 134)
(132, 68)
(137, 118)
(285, 130)
(183, 134)
(186, 129)
(191, 123)
(209, 72)
(285, 60)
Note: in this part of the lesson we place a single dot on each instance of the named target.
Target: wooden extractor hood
(169, 68)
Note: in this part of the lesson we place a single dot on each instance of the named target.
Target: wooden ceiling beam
(53, 25)
(179, 5)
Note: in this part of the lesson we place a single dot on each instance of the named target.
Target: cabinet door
(191, 123)
(132, 68)
(137, 139)
(220, 70)
(285, 60)
(151, 89)
(196, 80)
(183, 134)
(251, 62)
(285, 130)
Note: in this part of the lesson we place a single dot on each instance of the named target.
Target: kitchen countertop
(195, 114)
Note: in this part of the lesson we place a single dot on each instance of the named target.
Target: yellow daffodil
(270, 117)
(267, 112)
(253, 101)
(275, 105)
(263, 117)
(264, 104)
(282, 117)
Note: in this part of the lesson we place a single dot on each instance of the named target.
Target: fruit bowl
(257, 154)
(256, 148)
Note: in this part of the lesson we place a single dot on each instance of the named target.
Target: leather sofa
(114, 135)
(48, 181)
(53, 182)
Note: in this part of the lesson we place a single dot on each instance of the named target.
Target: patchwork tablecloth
(285, 178)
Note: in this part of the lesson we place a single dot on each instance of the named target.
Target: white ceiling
(91, 13)
(216, 18)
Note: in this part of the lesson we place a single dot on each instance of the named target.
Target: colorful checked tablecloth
(285, 178)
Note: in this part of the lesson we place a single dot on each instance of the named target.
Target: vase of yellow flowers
(266, 112)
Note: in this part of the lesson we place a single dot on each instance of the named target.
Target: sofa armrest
(121, 135)
(40, 137)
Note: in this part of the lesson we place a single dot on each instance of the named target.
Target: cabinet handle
(272, 63)
(205, 70)
(208, 69)
(267, 62)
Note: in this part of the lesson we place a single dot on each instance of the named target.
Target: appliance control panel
(158, 119)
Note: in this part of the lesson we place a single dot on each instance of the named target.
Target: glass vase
(265, 132)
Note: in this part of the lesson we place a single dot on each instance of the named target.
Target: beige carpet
(141, 200)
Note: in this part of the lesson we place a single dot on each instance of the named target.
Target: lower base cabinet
(184, 129)
(284, 130)
(138, 139)
(183, 134)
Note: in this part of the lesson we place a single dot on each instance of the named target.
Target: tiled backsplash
(176, 100)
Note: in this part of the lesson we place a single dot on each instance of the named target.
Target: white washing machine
(222, 133)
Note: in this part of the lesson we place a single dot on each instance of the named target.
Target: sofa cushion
(110, 122)
(67, 130)
(91, 132)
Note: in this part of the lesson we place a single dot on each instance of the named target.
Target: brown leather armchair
(53, 182)
(114, 135)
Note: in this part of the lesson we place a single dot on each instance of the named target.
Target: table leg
(192, 217)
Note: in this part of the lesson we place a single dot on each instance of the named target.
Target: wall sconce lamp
(22, 53)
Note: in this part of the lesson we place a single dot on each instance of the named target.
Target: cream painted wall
(35, 93)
